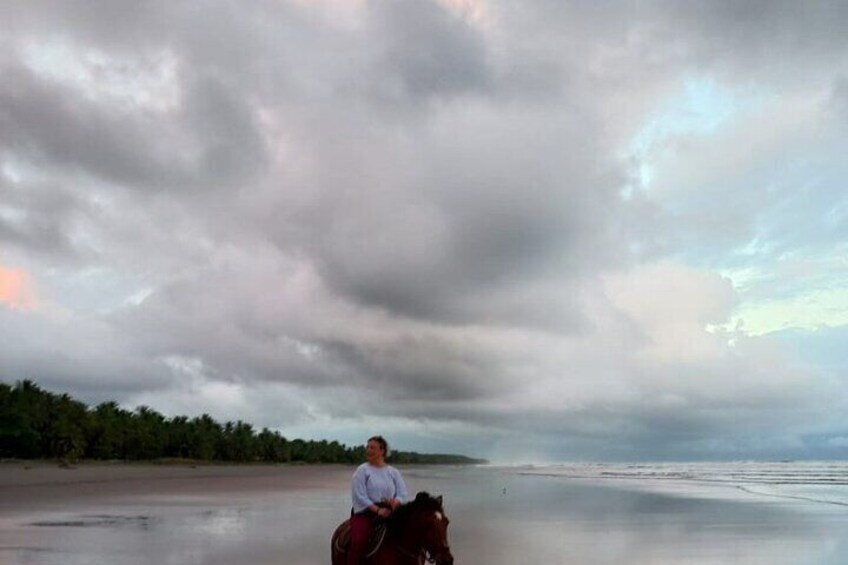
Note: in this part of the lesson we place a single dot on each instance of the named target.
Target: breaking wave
(819, 481)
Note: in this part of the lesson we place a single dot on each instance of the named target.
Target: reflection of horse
(416, 533)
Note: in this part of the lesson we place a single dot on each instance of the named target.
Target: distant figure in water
(504, 490)
(377, 490)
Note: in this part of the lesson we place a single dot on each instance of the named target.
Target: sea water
(740, 512)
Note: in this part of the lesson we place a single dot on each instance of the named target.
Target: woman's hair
(383, 443)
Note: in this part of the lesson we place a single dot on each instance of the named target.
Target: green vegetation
(37, 424)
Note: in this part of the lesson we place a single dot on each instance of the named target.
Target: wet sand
(127, 514)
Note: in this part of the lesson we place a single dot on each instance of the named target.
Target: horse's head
(427, 516)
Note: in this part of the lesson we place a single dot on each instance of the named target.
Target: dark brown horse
(416, 533)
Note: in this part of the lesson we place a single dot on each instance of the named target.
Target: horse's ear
(439, 498)
(423, 495)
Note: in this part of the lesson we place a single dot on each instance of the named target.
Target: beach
(141, 513)
(217, 514)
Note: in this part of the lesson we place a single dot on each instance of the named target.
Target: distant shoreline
(176, 462)
(108, 432)
(195, 463)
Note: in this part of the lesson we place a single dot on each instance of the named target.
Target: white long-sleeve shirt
(372, 484)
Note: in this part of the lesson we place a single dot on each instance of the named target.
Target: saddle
(341, 539)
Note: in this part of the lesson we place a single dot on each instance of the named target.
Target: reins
(381, 534)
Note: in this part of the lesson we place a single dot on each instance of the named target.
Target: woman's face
(373, 451)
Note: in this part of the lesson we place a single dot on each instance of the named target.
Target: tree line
(38, 424)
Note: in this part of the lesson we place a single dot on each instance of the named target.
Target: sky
(527, 231)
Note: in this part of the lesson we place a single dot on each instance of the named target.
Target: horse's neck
(406, 544)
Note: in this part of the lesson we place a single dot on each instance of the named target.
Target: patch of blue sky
(701, 107)
(811, 212)
(803, 219)
(809, 310)
(824, 347)
(803, 272)
(800, 290)
(788, 274)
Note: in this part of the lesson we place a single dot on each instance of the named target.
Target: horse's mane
(423, 501)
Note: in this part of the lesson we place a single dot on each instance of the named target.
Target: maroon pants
(360, 530)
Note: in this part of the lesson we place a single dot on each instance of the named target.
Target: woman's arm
(400, 489)
(360, 492)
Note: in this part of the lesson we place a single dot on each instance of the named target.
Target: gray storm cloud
(424, 216)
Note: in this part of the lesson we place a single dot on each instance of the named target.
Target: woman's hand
(384, 512)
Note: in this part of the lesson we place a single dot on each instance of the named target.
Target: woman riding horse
(377, 490)
(417, 532)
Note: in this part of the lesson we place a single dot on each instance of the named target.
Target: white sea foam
(823, 482)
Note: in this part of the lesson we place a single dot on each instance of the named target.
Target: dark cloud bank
(398, 215)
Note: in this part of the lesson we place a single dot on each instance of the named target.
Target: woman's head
(377, 448)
